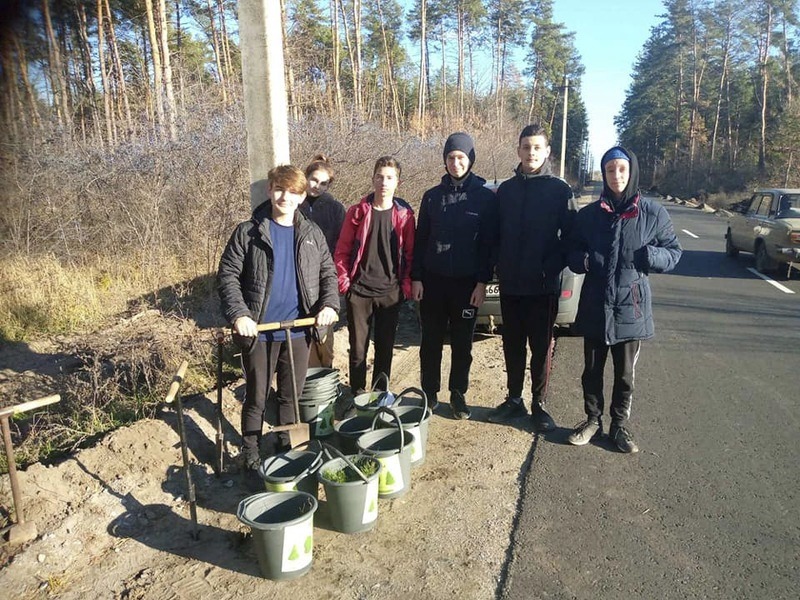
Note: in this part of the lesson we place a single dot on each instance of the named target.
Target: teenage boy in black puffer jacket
(275, 267)
(451, 268)
(536, 211)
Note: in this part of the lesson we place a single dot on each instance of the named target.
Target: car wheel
(763, 261)
(730, 249)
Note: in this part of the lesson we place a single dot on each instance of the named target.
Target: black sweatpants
(528, 319)
(445, 302)
(362, 312)
(624, 356)
(264, 360)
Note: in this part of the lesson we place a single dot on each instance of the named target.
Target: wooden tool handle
(176, 382)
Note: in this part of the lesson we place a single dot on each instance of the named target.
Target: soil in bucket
(292, 470)
(282, 525)
(352, 503)
(385, 445)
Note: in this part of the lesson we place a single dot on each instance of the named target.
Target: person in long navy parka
(617, 241)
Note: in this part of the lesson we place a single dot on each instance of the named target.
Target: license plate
(493, 289)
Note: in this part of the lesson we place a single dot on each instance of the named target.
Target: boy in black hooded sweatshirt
(451, 268)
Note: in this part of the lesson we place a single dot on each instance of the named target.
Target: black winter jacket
(620, 249)
(245, 270)
(328, 213)
(535, 217)
(454, 231)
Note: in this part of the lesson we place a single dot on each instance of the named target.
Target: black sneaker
(459, 405)
(512, 408)
(541, 419)
(623, 439)
(585, 432)
(433, 400)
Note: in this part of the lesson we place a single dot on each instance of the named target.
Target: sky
(609, 36)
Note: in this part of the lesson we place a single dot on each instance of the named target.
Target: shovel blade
(298, 433)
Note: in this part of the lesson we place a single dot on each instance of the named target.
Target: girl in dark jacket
(617, 241)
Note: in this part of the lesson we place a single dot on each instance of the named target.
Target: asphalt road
(709, 507)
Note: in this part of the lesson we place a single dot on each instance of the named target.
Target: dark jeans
(445, 302)
(362, 312)
(264, 360)
(624, 356)
(528, 319)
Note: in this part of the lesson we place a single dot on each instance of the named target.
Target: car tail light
(566, 294)
(795, 237)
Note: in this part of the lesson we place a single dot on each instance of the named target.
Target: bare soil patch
(113, 521)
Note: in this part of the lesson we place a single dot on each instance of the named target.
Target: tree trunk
(215, 46)
(787, 63)
(22, 64)
(394, 100)
(119, 74)
(764, 43)
(158, 91)
(108, 110)
(13, 111)
(721, 89)
(421, 99)
(88, 101)
(169, 95)
(358, 67)
(58, 84)
(460, 78)
(337, 82)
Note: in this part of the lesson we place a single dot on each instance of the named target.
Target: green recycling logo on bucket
(323, 422)
(298, 542)
(370, 513)
(391, 477)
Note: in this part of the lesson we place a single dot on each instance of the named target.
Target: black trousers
(624, 356)
(445, 304)
(264, 360)
(528, 319)
(363, 312)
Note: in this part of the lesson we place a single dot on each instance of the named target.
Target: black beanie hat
(460, 141)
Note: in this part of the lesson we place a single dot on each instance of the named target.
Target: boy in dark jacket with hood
(451, 269)
(536, 211)
(617, 241)
(275, 267)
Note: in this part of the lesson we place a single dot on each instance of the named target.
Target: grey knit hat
(460, 141)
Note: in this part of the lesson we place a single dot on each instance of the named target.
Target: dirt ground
(113, 521)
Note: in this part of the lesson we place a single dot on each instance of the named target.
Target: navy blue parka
(617, 243)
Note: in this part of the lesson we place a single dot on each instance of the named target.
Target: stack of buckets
(318, 399)
(282, 518)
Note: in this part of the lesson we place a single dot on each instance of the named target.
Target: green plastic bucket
(282, 524)
(367, 404)
(415, 420)
(319, 414)
(348, 432)
(352, 506)
(393, 448)
(294, 470)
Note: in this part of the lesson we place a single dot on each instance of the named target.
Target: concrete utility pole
(564, 128)
(265, 106)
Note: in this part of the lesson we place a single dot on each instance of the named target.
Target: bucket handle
(334, 453)
(319, 450)
(386, 409)
(416, 391)
(381, 376)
